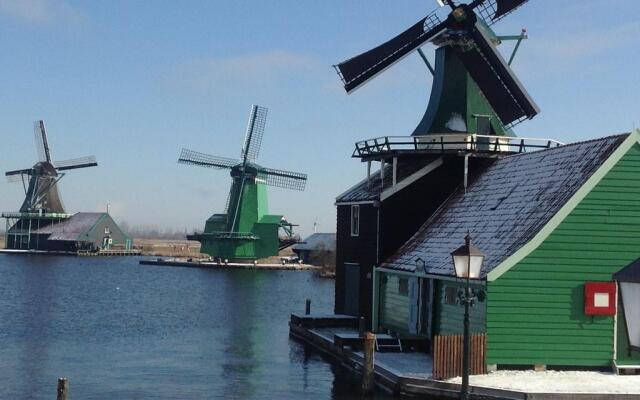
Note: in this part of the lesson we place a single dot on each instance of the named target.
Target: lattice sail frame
(193, 157)
(255, 131)
(283, 179)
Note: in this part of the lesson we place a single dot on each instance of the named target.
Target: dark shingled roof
(368, 191)
(504, 207)
(317, 241)
(71, 228)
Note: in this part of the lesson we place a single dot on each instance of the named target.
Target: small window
(106, 230)
(355, 220)
(403, 286)
(450, 295)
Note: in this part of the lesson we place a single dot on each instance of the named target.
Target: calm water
(120, 330)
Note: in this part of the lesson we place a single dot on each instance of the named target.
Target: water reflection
(119, 330)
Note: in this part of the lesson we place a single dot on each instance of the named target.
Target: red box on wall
(600, 298)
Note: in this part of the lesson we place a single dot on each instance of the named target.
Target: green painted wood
(535, 309)
(394, 306)
(449, 317)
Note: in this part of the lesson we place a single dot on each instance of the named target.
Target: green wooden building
(556, 225)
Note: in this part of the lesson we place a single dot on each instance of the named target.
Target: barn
(83, 231)
(316, 247)
(556, 226)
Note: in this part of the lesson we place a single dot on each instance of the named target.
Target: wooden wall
(361, 249)
(449, 318)
(394, 306)
(535, 310)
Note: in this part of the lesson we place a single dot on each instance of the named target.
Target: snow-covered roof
(504, 207)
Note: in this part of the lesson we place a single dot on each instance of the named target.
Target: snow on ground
(557, 382)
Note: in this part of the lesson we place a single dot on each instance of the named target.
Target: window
(450, 295)
(355, 220)
(403, 286)
(106, 230)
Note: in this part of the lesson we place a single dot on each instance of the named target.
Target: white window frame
(355, 228)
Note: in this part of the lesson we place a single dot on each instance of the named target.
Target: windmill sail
(255, 130)
(496, 80)
(494, 10)
(82, 162)
(42, 142)
(361, 68)
(205, 160)
(283, 179)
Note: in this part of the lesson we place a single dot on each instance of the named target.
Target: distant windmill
(40, 182)
(245, 231)
(474, 89)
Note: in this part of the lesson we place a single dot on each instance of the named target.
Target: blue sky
(135, 81)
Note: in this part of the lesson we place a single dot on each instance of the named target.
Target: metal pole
(464, 395)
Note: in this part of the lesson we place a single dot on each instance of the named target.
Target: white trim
(350, 203)
(411, 179)
(355, 232)
(569, 206)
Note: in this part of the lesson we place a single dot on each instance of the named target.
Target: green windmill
(245, 231)
(474, 89)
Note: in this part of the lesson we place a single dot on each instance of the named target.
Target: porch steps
(388, 342)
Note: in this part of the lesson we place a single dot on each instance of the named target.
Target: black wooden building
(379, 214)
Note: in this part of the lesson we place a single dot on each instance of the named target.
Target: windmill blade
(82, 162)
(17, 175)
(283, 179)
(494, 10)
(42, 142)
(360, 69)
(255, 130)
(496, 80)
(205, 160)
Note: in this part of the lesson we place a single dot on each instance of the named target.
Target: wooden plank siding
(394, 306)
(448, 353)
(449, 318)
(535, 311)
(361, 250)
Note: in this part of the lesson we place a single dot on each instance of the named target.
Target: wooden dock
(79, 253)
(206, 264)
(407, 374)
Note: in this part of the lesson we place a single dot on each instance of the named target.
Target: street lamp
(467, 261)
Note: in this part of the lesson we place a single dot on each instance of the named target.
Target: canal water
(117, 329)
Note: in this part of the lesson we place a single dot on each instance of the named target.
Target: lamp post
(467, 261)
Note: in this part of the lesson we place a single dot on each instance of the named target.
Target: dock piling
(369, 362)
(307, 307)
(63, 388)
(362, 327)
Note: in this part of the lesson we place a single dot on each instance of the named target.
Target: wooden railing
(447, 355)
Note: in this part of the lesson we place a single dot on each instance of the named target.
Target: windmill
(40, 182)
(474, 89)
(245, 230)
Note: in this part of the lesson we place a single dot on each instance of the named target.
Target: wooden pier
(206, 264)
(79, 253)
(405, 374)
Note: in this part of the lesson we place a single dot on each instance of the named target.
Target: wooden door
(352, 289)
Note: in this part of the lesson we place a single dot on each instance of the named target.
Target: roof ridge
(564, 146)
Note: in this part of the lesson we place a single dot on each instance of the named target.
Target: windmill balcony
(35, 215)
(487, 145)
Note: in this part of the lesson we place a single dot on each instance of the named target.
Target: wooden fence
(447, 355)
